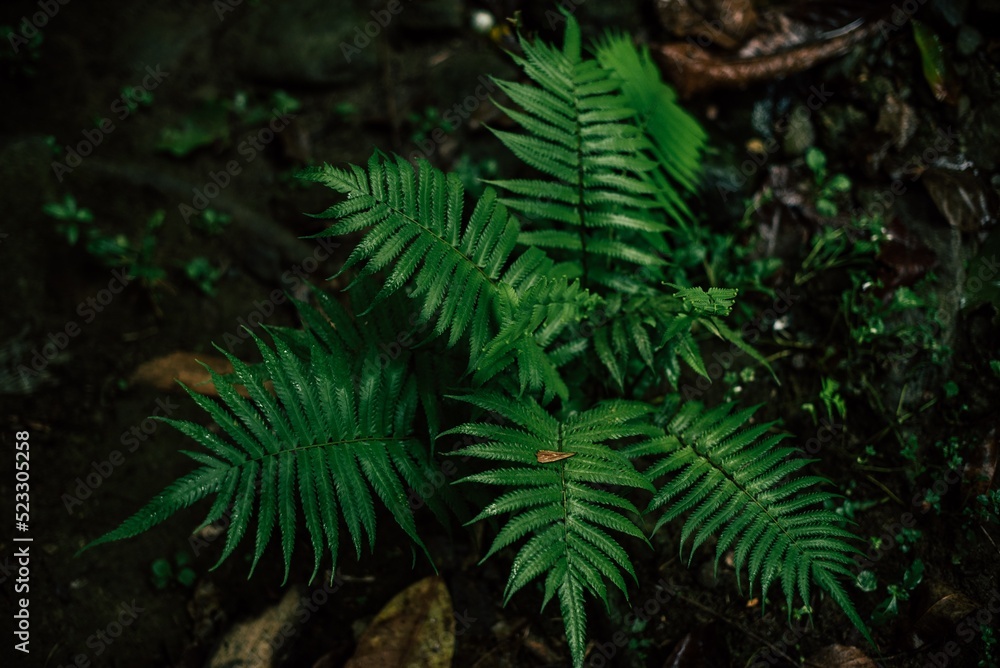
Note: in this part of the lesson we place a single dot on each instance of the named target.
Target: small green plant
(833, 401)
(204, 274)
(22, 53)
(538, 348)
(425, 122)
(213, 121)
(895, 593)
(988, 637)
(74, 220)
(211, 221)
(136, 97)
(112, 251)
(474, 173)
(164, 573)
(829, 190)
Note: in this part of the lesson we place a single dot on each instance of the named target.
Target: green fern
(341, 413)
(676, 141)
(311, 443)
(415, 223)
(462, 271)
(656, 327)
(560, 505)
(572, 118)
(736, 481)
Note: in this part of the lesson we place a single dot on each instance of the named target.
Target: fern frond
(736, 482)
(558, 507)
(677, 141)
(417, 232)
(527, 331)
(461, 271)
(312, 439)
(600, 197)
(656, 328)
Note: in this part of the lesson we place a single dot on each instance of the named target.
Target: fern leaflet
(560, 506)
(735, 480)
(311, 436)
(573, 133)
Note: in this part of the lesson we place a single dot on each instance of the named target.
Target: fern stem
(580, 204)
(725, 472)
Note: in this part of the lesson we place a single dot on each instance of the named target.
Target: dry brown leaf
(163, 372)
(415, 629)
(841, 656)
(696, 70)
(258, 643)
(940, 608)
(962, 197)
(724, 23)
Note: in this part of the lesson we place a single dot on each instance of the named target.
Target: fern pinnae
(676, 141)
(282, 451)
(455, 271)
(735, 481)
(567, 522)
(572, 134)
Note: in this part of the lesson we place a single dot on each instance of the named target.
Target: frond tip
(736, 481)
(555, 470)
(311, 439)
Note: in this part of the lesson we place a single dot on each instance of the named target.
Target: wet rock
(415, 628)
(841, 656)
(961, 197)
(304, 43)
(262, 642)
(982, 133)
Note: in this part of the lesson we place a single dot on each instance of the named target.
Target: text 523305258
(22, 556)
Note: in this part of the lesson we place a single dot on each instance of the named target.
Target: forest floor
(147, 121)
